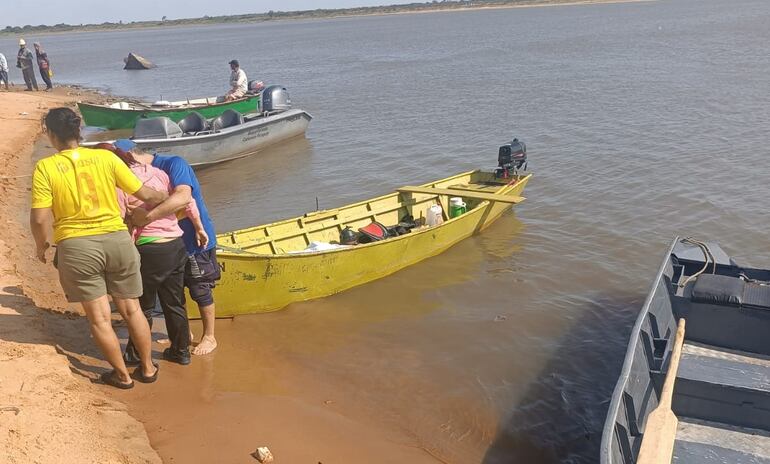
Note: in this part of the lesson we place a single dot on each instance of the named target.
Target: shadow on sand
(69, 334)
(560, 417)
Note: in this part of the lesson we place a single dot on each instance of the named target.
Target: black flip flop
(139, 375)
(108, 378)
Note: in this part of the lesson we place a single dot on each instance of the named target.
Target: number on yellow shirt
(90, 195)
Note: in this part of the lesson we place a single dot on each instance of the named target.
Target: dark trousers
(163, 278)
(46, 78)
(29, 78)
(4, 78)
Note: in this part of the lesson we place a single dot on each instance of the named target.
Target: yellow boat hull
(261, 270)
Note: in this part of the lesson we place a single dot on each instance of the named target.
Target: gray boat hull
(722, 389)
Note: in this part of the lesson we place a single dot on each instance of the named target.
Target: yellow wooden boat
(264, 268)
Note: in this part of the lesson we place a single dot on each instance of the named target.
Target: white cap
(22, 42)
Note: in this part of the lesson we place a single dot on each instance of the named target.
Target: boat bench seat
(730, 291)
(720, 385)
(699, 442)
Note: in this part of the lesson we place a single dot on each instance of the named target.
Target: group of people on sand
(25, 62)
(129, 225)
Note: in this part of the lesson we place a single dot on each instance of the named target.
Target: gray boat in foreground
(232, 135)
(722, 390)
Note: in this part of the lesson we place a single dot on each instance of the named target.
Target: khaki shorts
(97, 265)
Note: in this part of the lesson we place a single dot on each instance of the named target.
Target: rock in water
(134, 61)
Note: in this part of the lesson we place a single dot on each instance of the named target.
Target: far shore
(298, 16)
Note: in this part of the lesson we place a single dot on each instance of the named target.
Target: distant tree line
(276, 15)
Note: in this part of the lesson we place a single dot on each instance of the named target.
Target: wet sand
(50, 412)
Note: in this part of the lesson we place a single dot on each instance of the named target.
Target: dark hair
(124, 156)
(63, 123)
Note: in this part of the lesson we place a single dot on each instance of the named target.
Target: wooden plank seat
(721, 385)
(463, 193)
(703, 442)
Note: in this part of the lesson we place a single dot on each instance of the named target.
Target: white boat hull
(232, 142)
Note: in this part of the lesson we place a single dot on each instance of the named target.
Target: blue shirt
(181, 173)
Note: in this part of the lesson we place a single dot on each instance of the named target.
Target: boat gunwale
(608, 430)
(243, 253)
(168, 108)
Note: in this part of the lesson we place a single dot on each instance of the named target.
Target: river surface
(643, 121)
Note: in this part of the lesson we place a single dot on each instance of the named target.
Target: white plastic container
(434, 216)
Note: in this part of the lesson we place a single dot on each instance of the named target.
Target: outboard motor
(256, 86)
(275, 98)
(511, 158)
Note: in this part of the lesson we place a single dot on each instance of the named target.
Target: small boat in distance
(267, 267)
(123, 115)
(721, 391)
(229, 136)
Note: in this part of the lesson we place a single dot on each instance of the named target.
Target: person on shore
(24, 62)
(238, 82)
(3, 71)
(44, 65)
(202, 271)
(74, 196)
(164, 258)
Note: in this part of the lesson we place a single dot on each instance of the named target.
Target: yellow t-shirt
(79, 185)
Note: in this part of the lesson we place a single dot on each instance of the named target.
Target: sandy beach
(49, 409)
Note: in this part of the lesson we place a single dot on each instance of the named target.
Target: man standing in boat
(202, 271)
(238, 82)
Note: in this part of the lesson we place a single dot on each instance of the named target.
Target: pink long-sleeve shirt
(165, 227)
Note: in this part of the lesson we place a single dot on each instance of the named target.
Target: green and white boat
(123, 115)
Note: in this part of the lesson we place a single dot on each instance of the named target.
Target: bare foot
(192, 337)
(206, 346)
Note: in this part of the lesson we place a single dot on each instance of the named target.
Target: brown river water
(643, 121)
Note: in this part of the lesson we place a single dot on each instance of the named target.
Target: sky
(22, 12)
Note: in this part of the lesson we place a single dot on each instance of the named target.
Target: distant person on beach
(74, 196)
(238, 82)
(163, 254)
(24, 62)
(3, 71)
(44, 65)
(202, 271)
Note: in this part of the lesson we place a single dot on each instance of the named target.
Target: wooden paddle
(660, 431)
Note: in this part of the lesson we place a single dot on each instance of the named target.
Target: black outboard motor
(511, 158)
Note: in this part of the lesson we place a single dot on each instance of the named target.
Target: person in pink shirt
(163, 258)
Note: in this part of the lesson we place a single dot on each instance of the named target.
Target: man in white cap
(24, 62)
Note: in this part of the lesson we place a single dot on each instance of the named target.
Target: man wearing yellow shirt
(73, 195)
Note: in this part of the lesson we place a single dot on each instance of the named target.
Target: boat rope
(706, 253)
(749, 280)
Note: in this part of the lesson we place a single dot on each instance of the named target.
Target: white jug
(434, 216)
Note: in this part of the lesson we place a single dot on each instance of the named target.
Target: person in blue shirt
(202, 271)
